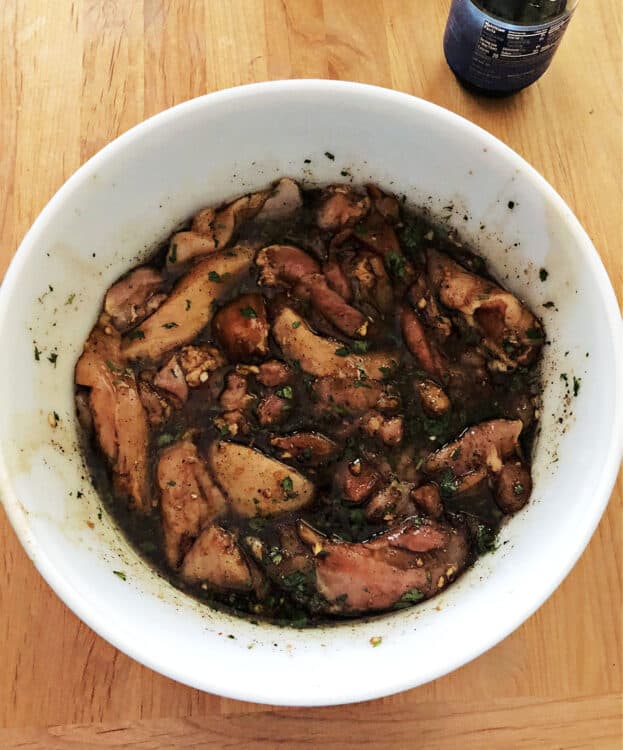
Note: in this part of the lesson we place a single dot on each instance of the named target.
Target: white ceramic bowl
(131, 195)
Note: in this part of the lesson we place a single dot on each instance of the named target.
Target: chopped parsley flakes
(576, 385)
(485, 540)
(165, 439)
(288, 488)
(357, 347)
(448, 483)
(413, 596)
(395, 263)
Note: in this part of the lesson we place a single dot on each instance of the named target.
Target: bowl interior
(130, 196)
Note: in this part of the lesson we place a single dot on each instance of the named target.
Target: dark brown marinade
(294, 602)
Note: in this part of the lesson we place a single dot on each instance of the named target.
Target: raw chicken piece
(215, 558)
(188, 308)
(412, 561)
(134, 297)
(189, 498)
(120, 420)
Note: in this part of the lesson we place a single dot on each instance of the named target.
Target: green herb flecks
(257, 524)
(248, 312)
(395, 264)
(288, 488)
(360, 382)
(173, 253)
(448, 483)
(387, 372)
(412, 236)
(485, 539)
(357, 347)
(437, 428)
(136, 334)
(120, 574)
(576, 385)
(413, 596)
(275, 556)
(295, 582)
(165, 439)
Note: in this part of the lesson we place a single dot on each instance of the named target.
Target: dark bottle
(497, 47)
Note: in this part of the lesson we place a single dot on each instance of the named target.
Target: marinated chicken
(311, 404)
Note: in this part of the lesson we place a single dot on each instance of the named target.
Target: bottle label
(495, 55)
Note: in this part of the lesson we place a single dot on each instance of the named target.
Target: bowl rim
(284, 696)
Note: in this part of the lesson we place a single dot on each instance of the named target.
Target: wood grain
(74, 75)
(518, 723)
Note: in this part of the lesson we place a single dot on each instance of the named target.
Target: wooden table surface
(73, 76)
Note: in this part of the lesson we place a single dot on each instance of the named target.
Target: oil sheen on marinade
(311, 404)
